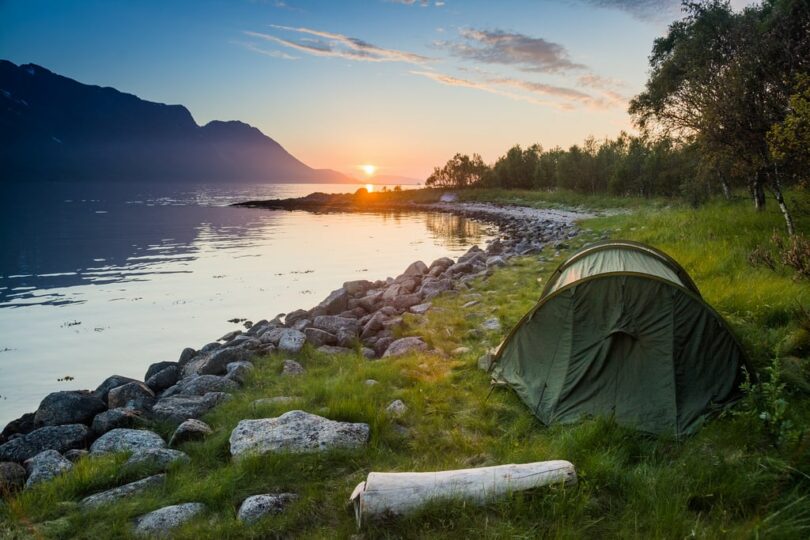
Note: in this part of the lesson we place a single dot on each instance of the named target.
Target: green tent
(622, 331)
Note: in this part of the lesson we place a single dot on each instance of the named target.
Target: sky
(400, 84)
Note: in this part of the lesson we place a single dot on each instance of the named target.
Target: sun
(368, 169)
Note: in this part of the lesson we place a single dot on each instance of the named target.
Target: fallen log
(385, 494)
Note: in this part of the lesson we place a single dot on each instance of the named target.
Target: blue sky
(400, 84)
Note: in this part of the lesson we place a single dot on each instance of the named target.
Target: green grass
(729, 480)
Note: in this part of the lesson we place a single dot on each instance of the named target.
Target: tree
(460, 171)
(789, 140)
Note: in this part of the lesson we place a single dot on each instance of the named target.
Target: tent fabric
(628, 338)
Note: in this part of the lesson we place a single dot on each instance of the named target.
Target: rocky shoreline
(359, 316)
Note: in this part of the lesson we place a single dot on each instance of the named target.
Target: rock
(190, 430)
(185, 355)
(370, 382)
(133, 395)
(163, 379)
(420, 309)
(291, 341)
(176, 409)
(45, 466)
(346, 338)
(495, 248)
(160, 366)
(108, 384)
(208, 348)
(448, 198)
(216, 363)
(75, 455)
(368, 352)
(19, 426)
(491, 325)
(296, 432)
(302, 324)
(485, 362)
(154, 459)
(495, 261)
(470, 304)
(239, 371)
(404, 346)
(417, 269)
(433, 288)
(126, 440)
(441, 264)
(458, 351)
(292, 368)
(159, 523)
(230, 335)
(116, 418)
(12, 478)
(382, 344)
(257, 328)
(59, 438)
(333, 323)
(471, 253)
(357, 287)
(68, 407)
(319, 337)
(332, 349)
(460, 268)
(405, 301)
(396, 408)
(374, 325)
(295, 316)
(267, 402)
(122, 492)
(371, 301)
(204, 384)
(273, 335)
(336, 302)
(391, 293)
(256, 507)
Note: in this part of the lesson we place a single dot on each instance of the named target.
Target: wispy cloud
(330, 44)
(507, 48)
(605, 100)
(423, 3)
(271, 53)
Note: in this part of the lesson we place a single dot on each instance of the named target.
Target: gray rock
(460, 268)
(256, 507)
(230, 335)
(357, 287)
(185, 355)
(122, 492)
(332, 349)
(368, 352)
(370, 382)
(68, 407)
(12, 477)
(302, 324)
(319, 337)
(19, 426)
(374, 325)
(176, 409)
(296, 432)
(160, 366)
(396, 408)
(371, 301)
(382, 344)
(45, 466)
(491, 325)
(155, 459)
(116, 418)
(126, 440)
(443, 264)
(291, 341)
(292, 368)
(199, 386)
(216, 363)
(273, 335)
(485, 362)
(404, 346)
(470, 304)
(161, 522)
(133, 395)
(346, 337)
(333, 323)
(296, 315)
(431, 289)
(420, 309)
(163, 379)
(75, 455)
(239, 371)
(59, 438)
(448, 197)
(458, 351)
(335, 303)
(495, 261)
(108, 384)
(417, 268)
(406, 301)
(190, 430)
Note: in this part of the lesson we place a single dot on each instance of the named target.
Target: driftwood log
(384, 494)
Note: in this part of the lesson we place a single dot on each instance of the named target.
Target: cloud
(499, 47)
(647, 10)
(606, 100)
(329, 44)
(273, 54)
(423, 3)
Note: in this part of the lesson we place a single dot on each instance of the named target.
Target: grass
(732, 479)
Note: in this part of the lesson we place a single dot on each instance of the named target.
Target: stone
(368, 352)
(59, 438)
(485, 362)
(122, 492)
(430, 289)
(491, 325)
(19, 426)
(448, 198)
(333, 349)
(460, 268)
(405, 301)
(495, 261)
(370, 382)
(442, 264)
(163, 379)
(336, 302)
(160, 366)
(216, 363)
(374, 325)
(133, 395)
(273, 335)
(204, 384)
(357, 287)
(230, 335)
(420, 309)
(291, 341)
(45, 466)
(12, 477)
(209, 348)
(382, 344)
(319, 337)
(458, 351)
(116, 418)
(346, 337)
(292, 368)
(294, 316)
(396, 408)
(190, 430)
(154, 459)
(295, 432)
(391, 293)
(75, 455)
(108, 384)
(160, 523)
(68, 407)
(176, 409)
(371, 301)
(126, 440)
(333, 323)
(470, 304)
(417, 268)
(256, 507)
(239, 371)
(405, 345)
(185, 356)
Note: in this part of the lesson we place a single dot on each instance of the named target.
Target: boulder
(404, 346)
(45, 466)
(374, 325)
(160, 523)
(357, 287)
(346, 337)
(175, 409)
(396, 408)
(472, 252)
(333, 349)
(371, 301)
(126, 440)
(273, 335)
(199, 386)
(256, 507)
(333, 323)
(154, 459)
(495, 261)
(460, 268)
(491, 325)
(291, 341)
(368, 352)
(12, 477)
(292, 368)
(160, 366)
(190, 430)
(185, 356)
(163, 379)
(294, 316)
(420, 309)
(216, 363)
(116, 418)
(122, 492)
(382, 344)
(75, 455)
(296, 432)
(430, 289)
(19, 426)
(319, 337)
(301, 324)
(417, 269)
(59, 438)
(133, 395)
(68, 407)
(391, 293)
(405, 301)
(239, 371)
(336, 302)
(108, 384)
(441, 264)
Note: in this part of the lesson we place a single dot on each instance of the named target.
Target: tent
(621, 330)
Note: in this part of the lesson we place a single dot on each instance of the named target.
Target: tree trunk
(385, 494)
(776, 189)
(726, 188)
(758, 191)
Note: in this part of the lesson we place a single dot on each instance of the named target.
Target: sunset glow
(369, 170)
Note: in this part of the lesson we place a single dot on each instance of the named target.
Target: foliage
(460, 171)
(789, 140)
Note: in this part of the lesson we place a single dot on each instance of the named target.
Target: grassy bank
(740, 476)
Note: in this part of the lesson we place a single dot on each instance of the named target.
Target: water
(100, 281)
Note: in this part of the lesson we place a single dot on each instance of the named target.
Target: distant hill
(57, 129)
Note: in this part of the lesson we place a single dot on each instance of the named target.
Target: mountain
(57, 129)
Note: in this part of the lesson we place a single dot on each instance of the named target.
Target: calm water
(95, 282)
